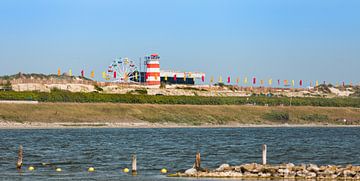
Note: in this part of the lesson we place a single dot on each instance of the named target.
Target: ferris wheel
(122, 70)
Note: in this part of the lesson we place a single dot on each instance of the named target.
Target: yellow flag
(211, 79)
(92, 75)
(317, 83)
(136, 76)
(166, 78)
(293, 82)
(245, 80)
(59, 72)
(220, 79)
(184, 76)
(104, 75)
(70, 72)
(270, 81)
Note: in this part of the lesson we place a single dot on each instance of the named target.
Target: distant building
(154, 76)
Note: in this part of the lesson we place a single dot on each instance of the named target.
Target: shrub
(277, 116)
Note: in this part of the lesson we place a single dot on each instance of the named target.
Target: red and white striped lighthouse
(152, 69)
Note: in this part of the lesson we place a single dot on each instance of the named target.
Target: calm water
(109, 150)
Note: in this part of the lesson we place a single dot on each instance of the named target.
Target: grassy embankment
(180, 114)
(61, 106)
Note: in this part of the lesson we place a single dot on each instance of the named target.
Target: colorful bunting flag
(228, 80)
(92, 74)
(270, 82)
(254, 80)
(301, 83)
(203, 78)
(82, 73)
(316, 83)
(211, 79)
(70, 72)
(220, 79)
(175, 77)
(237, 80)
(245, 80)
(115, 75)
(166, 77)
(59, 72)
(184, 76)
(293, 83)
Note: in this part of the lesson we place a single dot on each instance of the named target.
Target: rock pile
(288, 171)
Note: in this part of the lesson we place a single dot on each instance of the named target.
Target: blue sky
(279, 39)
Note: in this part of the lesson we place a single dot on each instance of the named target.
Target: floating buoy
(91, 169)
(163, 170)
(31, 168)
(126, 170)
(58, 169)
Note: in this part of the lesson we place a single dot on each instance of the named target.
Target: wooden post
(264, 154)
(197, 161)
(133, 168)
(20, 157)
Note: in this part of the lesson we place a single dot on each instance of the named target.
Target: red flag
(301, 82)
(82, 73)
(228, 80)
(174, 77)
(254, 80)
(115, 75)
(203, 78)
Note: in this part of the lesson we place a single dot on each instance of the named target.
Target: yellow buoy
(58, 169)
(163, 170)
(91, 169)
(126, 170)
(31, 168)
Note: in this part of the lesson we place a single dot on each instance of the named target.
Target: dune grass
(180, 114)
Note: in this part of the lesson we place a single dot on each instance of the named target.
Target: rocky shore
(282, 171)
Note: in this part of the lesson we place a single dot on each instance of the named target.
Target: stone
(311, 175)
(264, 175)
(247, 167)
(349, 173)
(223, 167)
(191, 171)
(290, 166)
(312, 168)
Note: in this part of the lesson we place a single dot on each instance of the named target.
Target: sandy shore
(131, 124)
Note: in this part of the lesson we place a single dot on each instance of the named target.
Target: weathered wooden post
(20, 157)
(133, 168)
(197, 161)
(264, 154)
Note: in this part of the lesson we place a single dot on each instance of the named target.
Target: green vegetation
(142, 98)
(6, 86)
(100, 113)
(277, 116)
(138, 91)
(98, 88)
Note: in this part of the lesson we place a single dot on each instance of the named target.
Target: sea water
(109, 151)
